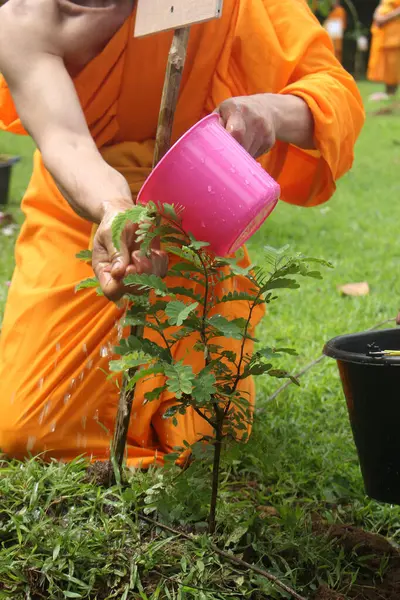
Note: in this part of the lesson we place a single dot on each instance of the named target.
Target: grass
(63, 537)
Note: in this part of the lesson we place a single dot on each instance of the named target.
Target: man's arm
(382, 20)
(49, 109)
(35, 36)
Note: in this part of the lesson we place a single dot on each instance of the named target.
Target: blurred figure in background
(384, 62)
(335, 25)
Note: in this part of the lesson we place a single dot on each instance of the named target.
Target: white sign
(334, 28)
(153, 16)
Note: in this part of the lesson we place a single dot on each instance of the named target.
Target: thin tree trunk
(212, 521)
(172, 83)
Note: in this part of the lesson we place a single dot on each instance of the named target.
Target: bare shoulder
(62, 27)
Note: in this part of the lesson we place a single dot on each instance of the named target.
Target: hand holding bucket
(225, 193)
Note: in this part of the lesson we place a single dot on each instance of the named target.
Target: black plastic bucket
(6, 165)
(372, 389)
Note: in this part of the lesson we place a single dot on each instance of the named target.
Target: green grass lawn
(64, 538)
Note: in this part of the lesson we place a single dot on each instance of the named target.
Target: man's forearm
(294, 121)
(87, 182)
(382, 20)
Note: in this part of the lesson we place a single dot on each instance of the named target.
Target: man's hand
(112, 266)
(258, 121)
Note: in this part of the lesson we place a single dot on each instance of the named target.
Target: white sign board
(334, 28)
(153, 16)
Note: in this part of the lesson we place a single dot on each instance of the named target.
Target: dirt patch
(99, 473)
(379, 577)
(324, 593)
(361, 542)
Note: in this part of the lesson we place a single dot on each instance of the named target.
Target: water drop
(202, 160)
(81, 376)
(84, 348)
(247, 182)
(41, 382)
(66, 398)
(96, 415)
(53, 427)
(83, 421)
(89, 364)
(103, 351)
(31, 442)
(232, 169)
(58, 347)
(44, 412)
(209, 189)
(73, 381)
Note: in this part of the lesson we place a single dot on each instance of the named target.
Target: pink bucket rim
(211, 116)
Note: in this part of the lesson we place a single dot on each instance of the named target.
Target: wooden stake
(169, 100)
(172, 84)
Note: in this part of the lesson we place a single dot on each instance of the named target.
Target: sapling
(215, 392)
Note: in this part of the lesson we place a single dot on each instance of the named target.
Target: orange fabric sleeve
(278, 46)
(9, 119)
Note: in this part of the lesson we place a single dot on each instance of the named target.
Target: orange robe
(384, 61)
(337, 14)
(55, 344)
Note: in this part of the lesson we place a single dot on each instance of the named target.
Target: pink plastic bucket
(225, 193)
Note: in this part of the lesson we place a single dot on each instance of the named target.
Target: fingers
(232, 119)
(156, 264)
(120, 259)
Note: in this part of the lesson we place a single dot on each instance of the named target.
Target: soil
(374, 549)
(99, 473)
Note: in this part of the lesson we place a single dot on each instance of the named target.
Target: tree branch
(229, 557)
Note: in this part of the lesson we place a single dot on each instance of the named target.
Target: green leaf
(188, 292)
(56, 552)
(269, 353)
(234, 296)
(197, 244)
(129, 361)
(180, 379)
(178, 312)
(72, 594)
(204, 386)
(145, 282)
(186, 254)
(84, 256)
(155, 394)
(229, 329)
(182, 333)
(256, 368)
(185, 267)
(170, 211)
(281, 374)
(281, 283)
(158, 369)
(132, 215)
(91, 282)
(133, 343)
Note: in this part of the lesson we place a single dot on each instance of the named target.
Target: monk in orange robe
(89, 93)
(384, 62)
(335, 25)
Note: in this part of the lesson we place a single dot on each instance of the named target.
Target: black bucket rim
(9, 161)
(332, 351)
